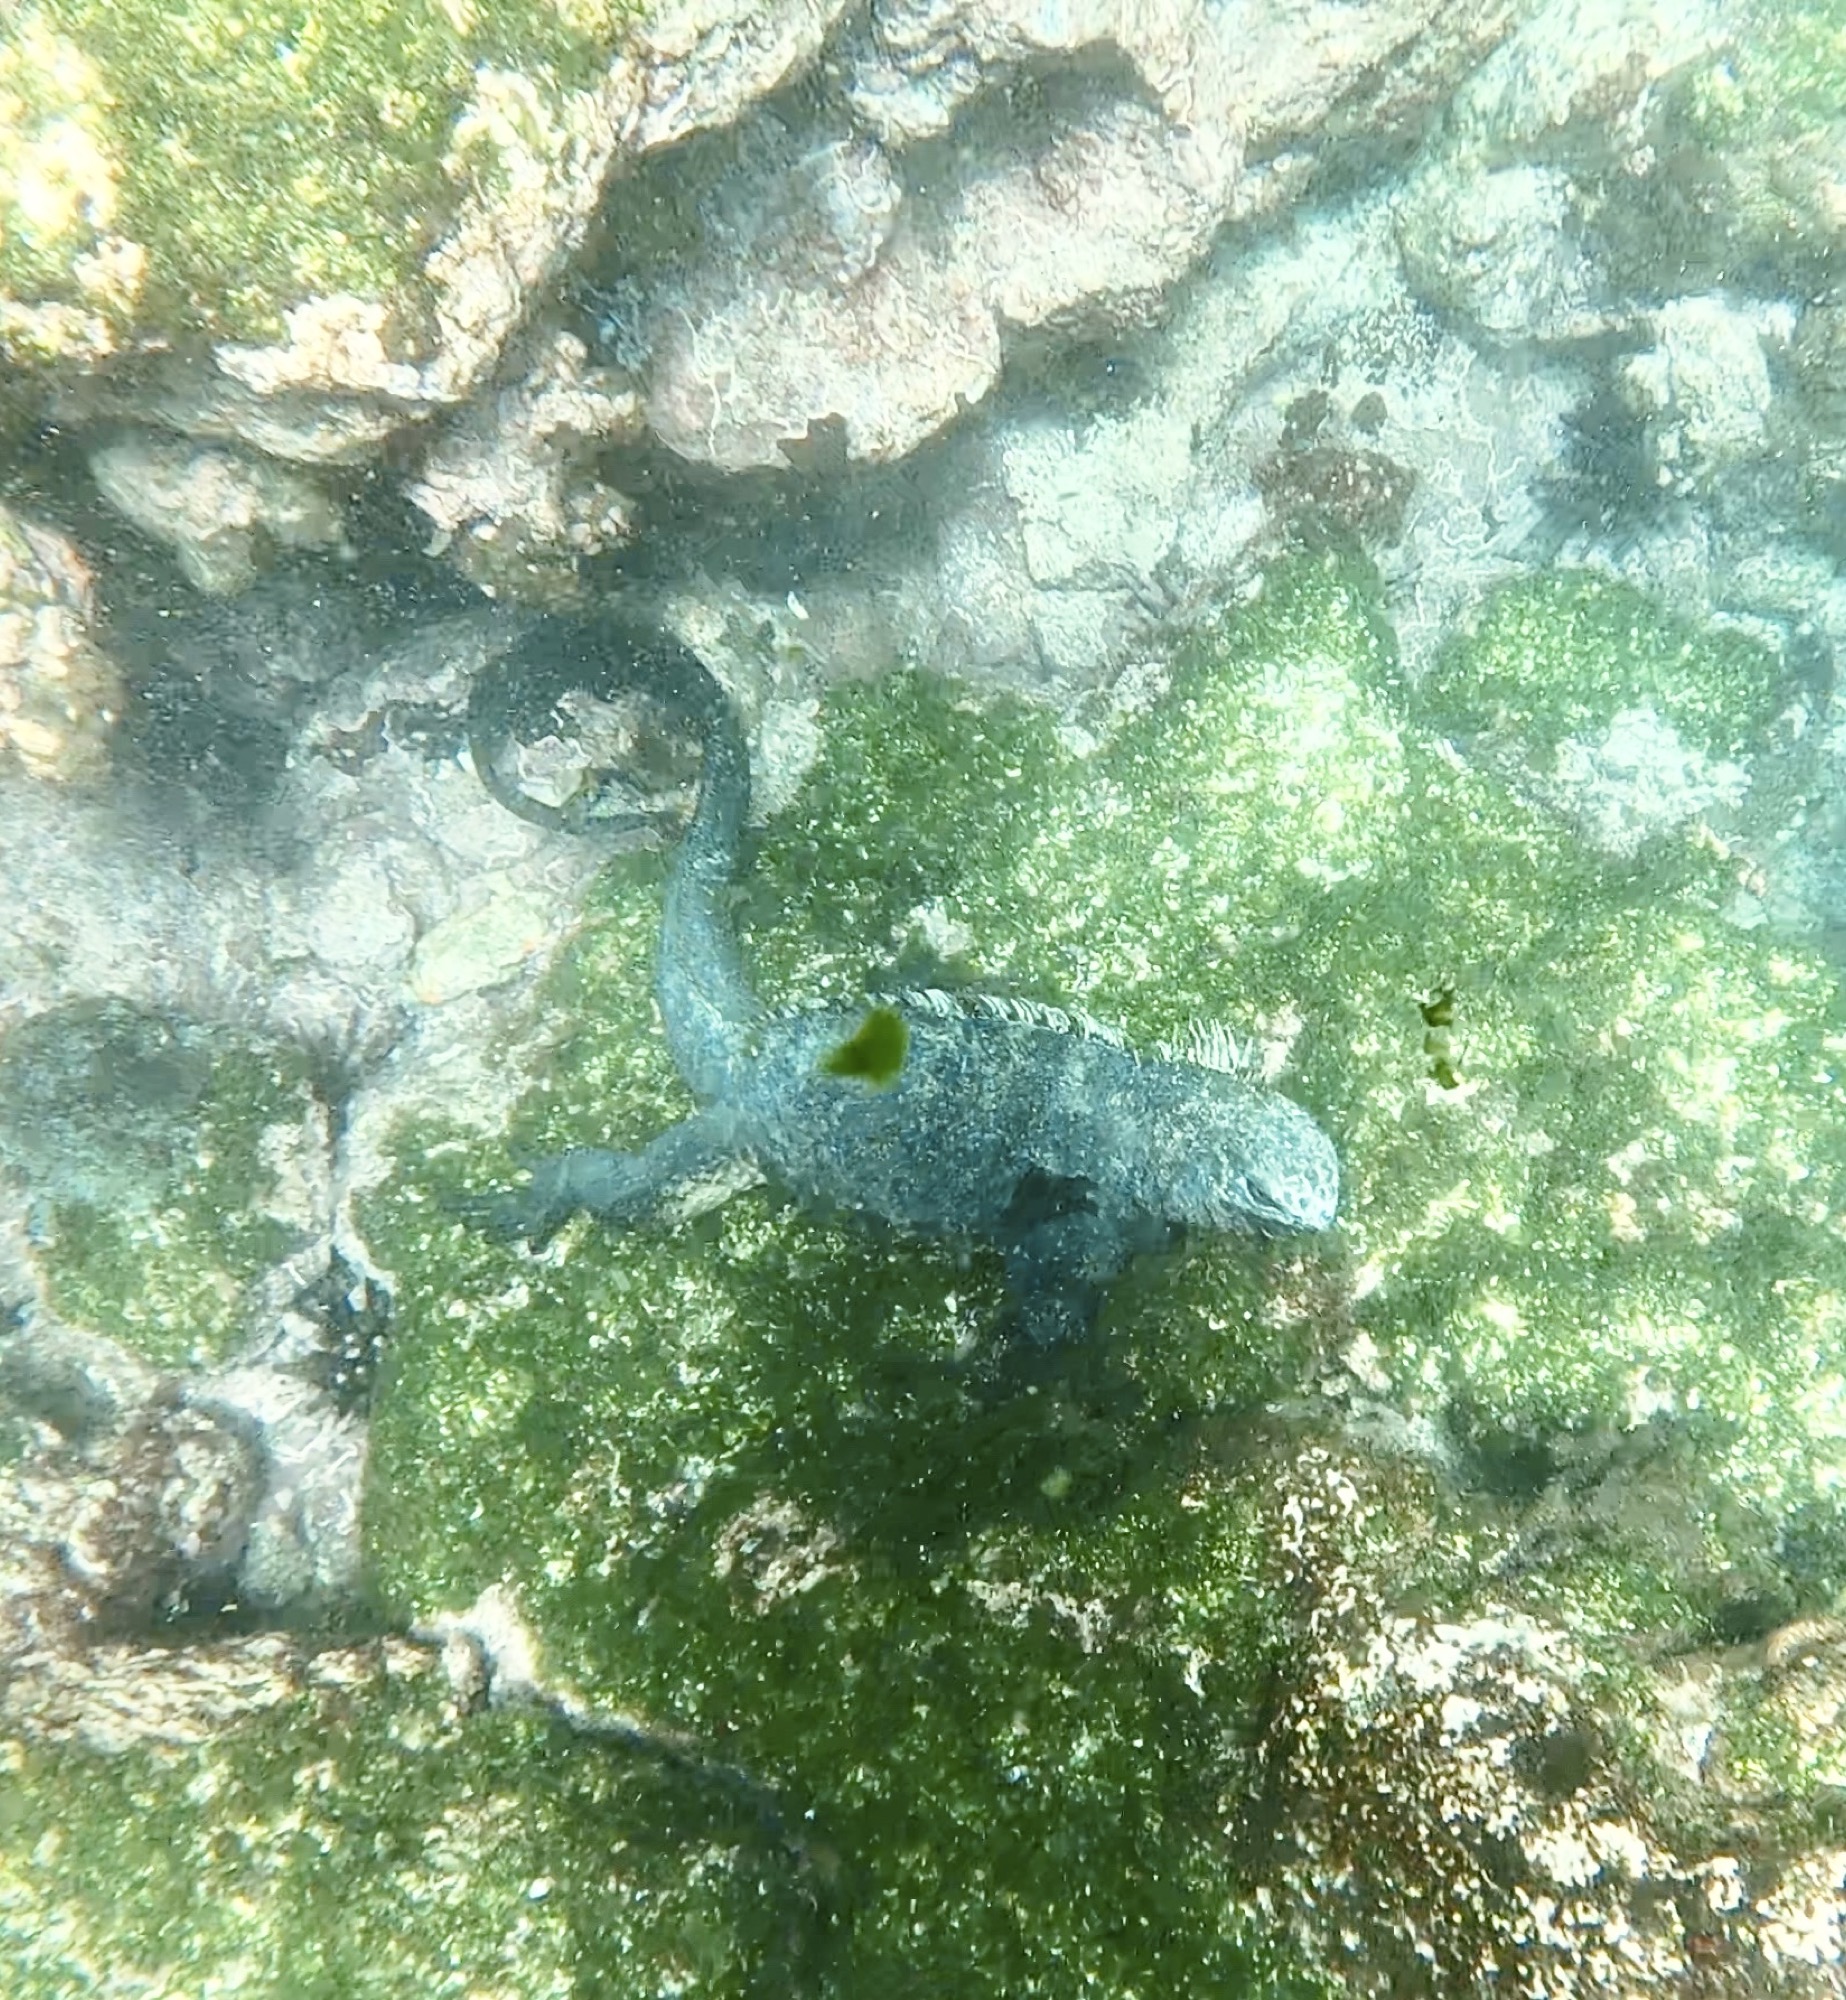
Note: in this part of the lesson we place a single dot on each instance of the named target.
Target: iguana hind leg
(692, 1166)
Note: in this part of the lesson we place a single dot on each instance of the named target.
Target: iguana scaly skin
(997, 1121)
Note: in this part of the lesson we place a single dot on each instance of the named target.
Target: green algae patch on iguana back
(874, 1052)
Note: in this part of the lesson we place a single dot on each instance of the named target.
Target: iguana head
(1254, 1160)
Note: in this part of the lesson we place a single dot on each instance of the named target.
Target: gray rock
(301, 1540)
(1075, 212)
(60, 692)
(220, 510)
(1502, 250)
(1704, 390)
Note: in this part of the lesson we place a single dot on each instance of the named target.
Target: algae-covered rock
(1011, 1631)
(167, 1165)
(1501, 221)
(290, 1822)
(1450, 1804)
(68, 277)
(1587, 696)
(1612, 155)
(205, 171)
(1760, 144)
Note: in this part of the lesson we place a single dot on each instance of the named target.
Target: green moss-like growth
(1561, 655)
(1747, 150)
(1784, 70)
(148, 1146)
(258, 154)
(740, 1481)
(359, 1839)
(58, 185)
(1001, 1623)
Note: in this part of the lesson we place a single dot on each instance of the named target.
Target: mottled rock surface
(220, 510)
(1073, 206)
(60, 693)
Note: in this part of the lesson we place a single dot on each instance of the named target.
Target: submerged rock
(221, 510)
(1448, 1603)
(168, 1166)
(60, 694)
(839, 292)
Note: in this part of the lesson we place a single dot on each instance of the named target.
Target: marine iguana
(992, 1120)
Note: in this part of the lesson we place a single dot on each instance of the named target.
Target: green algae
(1784, 70)
(154, 1151)
(259, 154)
(1001, 1624)
(58, 185)
(361, 1837)
(739, 1484)
(1560, 655)
(1748, 144)
(875, 1050)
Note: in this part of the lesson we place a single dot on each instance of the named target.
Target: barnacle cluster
(1457, 1805)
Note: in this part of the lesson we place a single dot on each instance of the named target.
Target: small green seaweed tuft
(874, 1052)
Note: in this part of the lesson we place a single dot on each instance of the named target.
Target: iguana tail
(709, 1009)
(705, 998)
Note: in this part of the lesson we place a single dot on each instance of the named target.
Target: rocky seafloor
(1323, 521)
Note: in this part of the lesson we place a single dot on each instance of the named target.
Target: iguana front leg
(691, 1167)
(1064, 1243)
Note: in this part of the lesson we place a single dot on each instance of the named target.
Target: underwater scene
(922, 1066)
